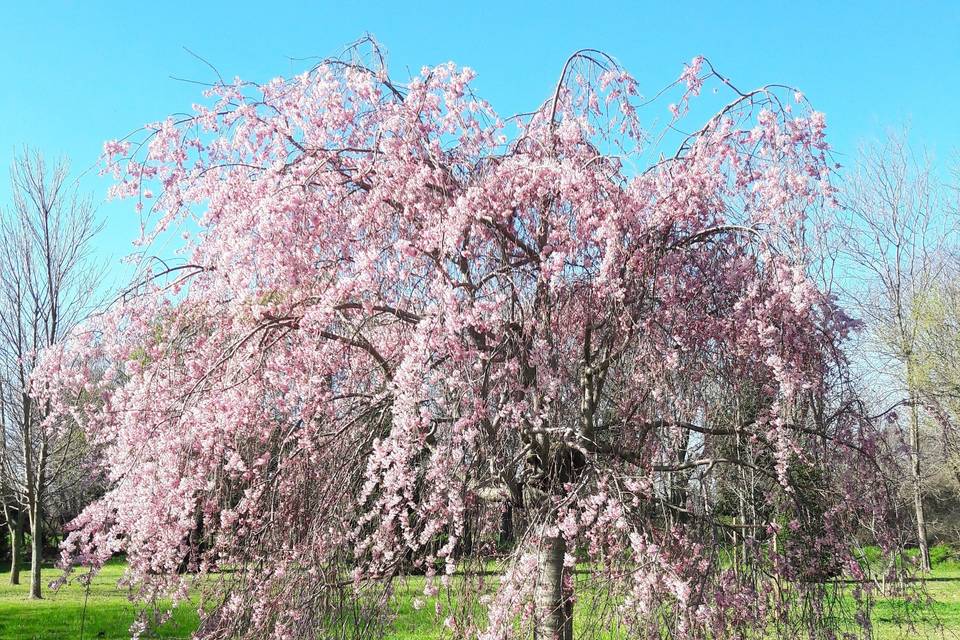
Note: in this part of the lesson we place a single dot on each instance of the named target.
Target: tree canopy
(399, 314)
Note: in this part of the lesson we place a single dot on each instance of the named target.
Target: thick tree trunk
(554, 609)
(917, 478)
(36, 556)
(16, 548)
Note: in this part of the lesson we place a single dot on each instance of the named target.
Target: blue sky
(78, 73)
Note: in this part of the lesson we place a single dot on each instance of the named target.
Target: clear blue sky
(78, 73)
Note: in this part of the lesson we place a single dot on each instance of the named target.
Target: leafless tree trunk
(35, 496)
(36, 558)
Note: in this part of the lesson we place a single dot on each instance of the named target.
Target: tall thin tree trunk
(16, 547)
(918, 486)
(35, 497)
(554, 607)
(35, 559)
(36, 556)
(36, 547)
(35, 502)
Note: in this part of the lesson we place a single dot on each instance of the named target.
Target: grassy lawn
(940, 618)
(105, 612)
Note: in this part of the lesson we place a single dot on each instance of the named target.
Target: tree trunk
(466, 541)
(36, 557)
(554, 608)
(36, 485)
(918, 486)
(35, 504)
(505, 537)
(16, 548)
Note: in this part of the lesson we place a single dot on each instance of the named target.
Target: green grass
(105, 612)
(938, 618)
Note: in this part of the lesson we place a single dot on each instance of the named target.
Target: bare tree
(894, 247)
(46, 287)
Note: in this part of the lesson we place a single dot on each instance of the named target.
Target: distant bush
(871, 555)
(943, 554)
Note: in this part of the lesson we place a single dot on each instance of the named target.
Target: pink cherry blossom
(402, 312)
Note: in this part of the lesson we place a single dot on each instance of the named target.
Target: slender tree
(403, 310)
(895, 245)
(46, 286)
